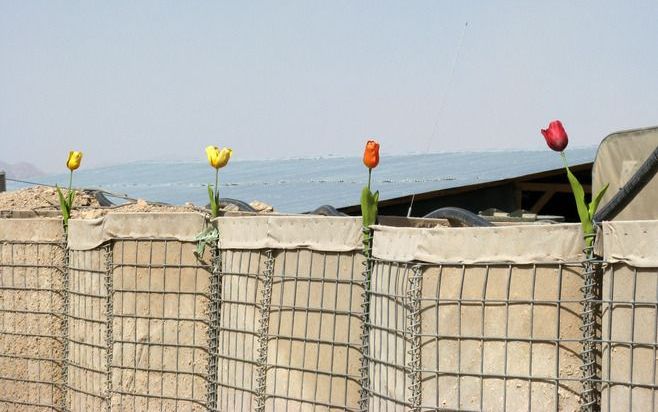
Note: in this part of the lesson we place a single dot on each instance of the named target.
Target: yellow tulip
(217, 157)
(74, 160)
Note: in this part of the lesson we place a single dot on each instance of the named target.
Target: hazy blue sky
(125, 81)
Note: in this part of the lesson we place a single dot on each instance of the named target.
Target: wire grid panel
(314, 339)
(629, 338)
(160, 303)
(241, 284)
(492, 337)
(31, 328)
(389, 341)
(88, 322)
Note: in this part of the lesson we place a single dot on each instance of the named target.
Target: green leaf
(207, 237)
(214, 204)
(596, 200)
(64, 207)
(579, 196)
(369, 206)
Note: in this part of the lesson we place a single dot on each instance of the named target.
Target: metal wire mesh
(31, 314)
(160, 302)
(240, 317)
(89, 323)
(314, 340)
(492, 337)
(629, 341)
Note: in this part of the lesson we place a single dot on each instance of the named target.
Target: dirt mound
(44, 201)
(41, 197)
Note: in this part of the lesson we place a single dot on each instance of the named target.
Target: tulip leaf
(64, 207)
(214, 203)
(579, 195)
(207, 237)
(596, 200)
(369, 206)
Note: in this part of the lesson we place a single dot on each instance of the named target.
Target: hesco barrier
(629, 310)
(125, 316)
(290, 334)
(32, 314)
(476, 318)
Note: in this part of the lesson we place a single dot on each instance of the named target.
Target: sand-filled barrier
(124, 315)
(475, 319)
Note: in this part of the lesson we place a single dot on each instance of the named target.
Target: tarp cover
(322, 233)
(31, 230)
(634, 243)
(619, 156)
(86, 234)
(508, 244)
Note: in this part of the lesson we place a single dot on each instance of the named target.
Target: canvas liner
(31, 308)
(629, 316)
(503, 314)
(618, 157)
(490, 316)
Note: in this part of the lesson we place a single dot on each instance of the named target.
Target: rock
(261, 207)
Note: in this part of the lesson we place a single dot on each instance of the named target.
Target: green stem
(70, 180)
(564, 159)
(216, 184)
(369, 178)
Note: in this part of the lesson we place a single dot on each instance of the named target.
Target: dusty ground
(44, 199)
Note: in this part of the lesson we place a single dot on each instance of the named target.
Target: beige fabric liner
(509, 244)
(329, 234)
(85, 234)
(619, 156)
(634, 243)
(622, 323)
(482, 322)
(31, 230)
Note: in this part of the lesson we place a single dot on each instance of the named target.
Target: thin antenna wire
(447, 88)
(411, 205)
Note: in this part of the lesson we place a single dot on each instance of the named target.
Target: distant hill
(21, 170)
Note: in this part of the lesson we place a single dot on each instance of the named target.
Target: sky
(125, 81)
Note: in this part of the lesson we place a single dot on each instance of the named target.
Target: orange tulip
(371, 154)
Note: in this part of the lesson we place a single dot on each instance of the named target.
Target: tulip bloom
(371, 154)
(369, 200)
(217, 157)
(74, 160)
(66, 203)
(556, 137)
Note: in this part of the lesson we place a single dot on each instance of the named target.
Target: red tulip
(556, 137)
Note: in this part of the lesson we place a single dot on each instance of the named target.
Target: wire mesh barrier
(31, 312)
(89, 322)
(239, 331)
(159, 346)
(291, 315)
(127, 317)
(629, 317)
(474, 335)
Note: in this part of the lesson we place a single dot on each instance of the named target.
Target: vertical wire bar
(65, 328)
(532, 330)
(109, 327)
(413, 329)
(558, 316)
(213, 327)
(631, 345)
(263, 332)
(364, 391)
(589, 397)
